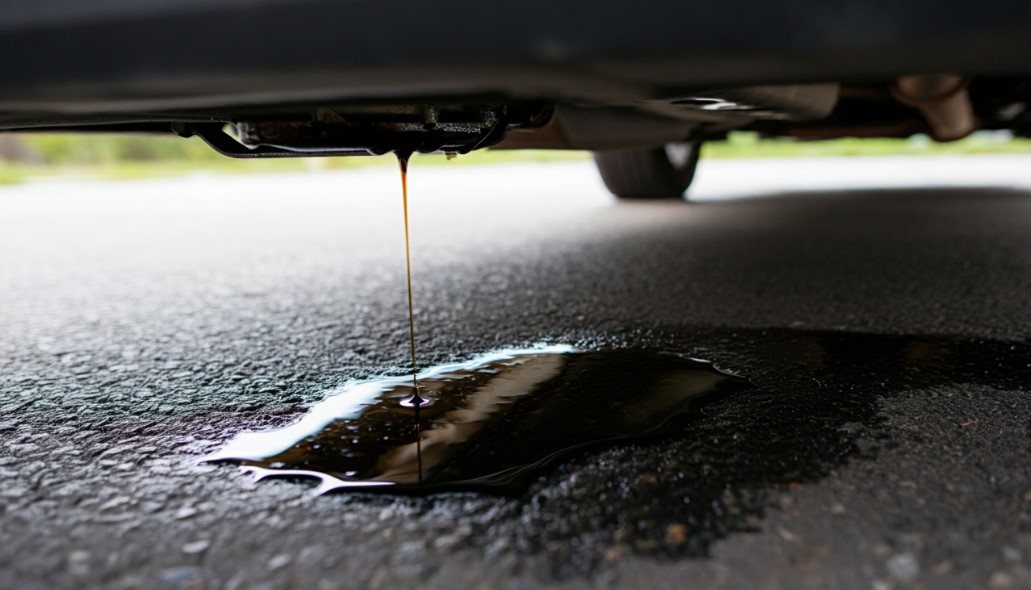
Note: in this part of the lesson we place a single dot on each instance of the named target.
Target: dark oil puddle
(816, 410)
(492, 422)
(489, 423)
(813, 408)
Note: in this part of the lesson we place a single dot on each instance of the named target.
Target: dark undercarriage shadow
(906, 194)
(817, 396)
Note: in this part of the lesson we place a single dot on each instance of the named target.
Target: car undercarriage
(633, 84)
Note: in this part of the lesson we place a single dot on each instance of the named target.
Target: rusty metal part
(942, 100)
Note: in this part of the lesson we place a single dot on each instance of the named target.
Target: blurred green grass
(112, 157)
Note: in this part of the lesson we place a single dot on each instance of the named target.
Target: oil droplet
(495, 420)
(416, 401)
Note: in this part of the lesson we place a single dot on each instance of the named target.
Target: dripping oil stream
(416, 400)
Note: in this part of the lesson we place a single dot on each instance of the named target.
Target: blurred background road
(880, 305)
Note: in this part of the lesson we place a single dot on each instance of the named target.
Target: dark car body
(267, 78)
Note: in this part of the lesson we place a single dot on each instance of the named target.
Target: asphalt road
(881, 308)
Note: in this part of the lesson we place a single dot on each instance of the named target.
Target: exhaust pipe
(943, 101)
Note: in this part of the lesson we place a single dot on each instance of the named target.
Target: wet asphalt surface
(880, 308)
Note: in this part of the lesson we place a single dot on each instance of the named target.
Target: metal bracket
(214, 135)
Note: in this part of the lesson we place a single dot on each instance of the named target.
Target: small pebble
(904, 567)
(1000, 580)
(185, 577)
(196, 546)
(787, 535)
(614, 553)
(279, 561)
(78, 563)
(676, 534)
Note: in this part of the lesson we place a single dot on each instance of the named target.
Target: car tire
(656, 173)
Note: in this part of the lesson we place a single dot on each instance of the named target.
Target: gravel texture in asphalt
(881, 309)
